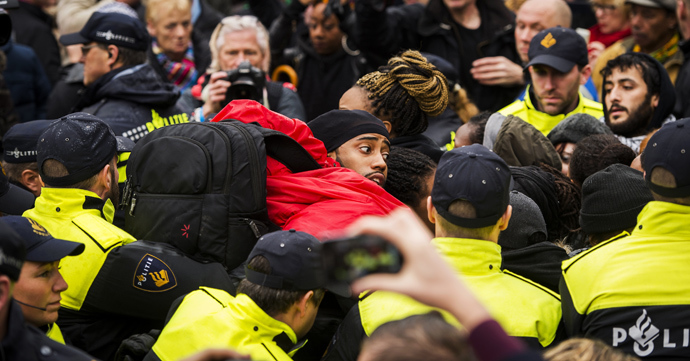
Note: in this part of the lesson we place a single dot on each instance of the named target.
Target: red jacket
(319, 202)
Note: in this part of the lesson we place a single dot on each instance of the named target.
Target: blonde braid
(409, 89)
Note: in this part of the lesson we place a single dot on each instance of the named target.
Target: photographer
(239, 39)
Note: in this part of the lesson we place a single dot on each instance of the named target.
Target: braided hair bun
(408, 90)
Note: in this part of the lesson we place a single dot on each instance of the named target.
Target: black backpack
(202, 187)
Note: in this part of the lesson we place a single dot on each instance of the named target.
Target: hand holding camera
(244, 82)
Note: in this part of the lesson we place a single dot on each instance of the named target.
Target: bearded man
(638, 97)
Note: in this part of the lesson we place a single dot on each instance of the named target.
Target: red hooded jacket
(320, 202)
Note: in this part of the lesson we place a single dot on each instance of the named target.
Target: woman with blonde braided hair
(403, 94)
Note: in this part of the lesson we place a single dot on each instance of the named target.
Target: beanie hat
(526, 226)
(575, 127)
(612, 198)
(337, 127)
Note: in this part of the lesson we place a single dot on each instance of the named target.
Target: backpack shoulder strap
(286, 150)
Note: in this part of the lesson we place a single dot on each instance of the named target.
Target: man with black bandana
(355, 139)
(638, 97)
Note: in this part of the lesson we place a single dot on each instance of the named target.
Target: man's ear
(332, 154)
(303, 302)
(32, 181)
(505, 218)
(113, 55)
(104, 180)
(430, 210)
(5, 291)
(585, 73)
(655, 100)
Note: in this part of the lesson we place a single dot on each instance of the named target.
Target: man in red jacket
(318, 202)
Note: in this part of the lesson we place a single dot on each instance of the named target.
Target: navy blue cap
(477, 175)
(20, 141)
(12, 251)
(669, 148)
(336, 127)
(111, 28)
(83, 143)
(40, 245)
(559, 48)
(14, 200)
(295, 260)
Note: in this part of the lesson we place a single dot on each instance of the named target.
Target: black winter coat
(432, 30)
(133, 101)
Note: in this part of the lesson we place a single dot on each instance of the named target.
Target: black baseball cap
(40, 245)
(477, 175)
(559, 48)
(336, 127)
(669, 148)
(295, 260)
(14, 200)
(111, 28)
(20, 141)
(83, 143)
(12, 251)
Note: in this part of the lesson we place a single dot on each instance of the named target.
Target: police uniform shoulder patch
(153, 275)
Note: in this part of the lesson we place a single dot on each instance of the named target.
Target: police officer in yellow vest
(558, 66)
(77, 162)
(632, 291)
(40, 283)
(469, 207)
(274, 308)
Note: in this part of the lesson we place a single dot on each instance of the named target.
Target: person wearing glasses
(613, 24)
(654, 29)
(121, 88)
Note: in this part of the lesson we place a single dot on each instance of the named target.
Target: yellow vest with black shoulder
(55, 334)
(523, 308)
(80, 216)
(526, 110)
(633, 291)
(210, 317)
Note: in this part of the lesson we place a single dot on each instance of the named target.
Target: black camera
(246, 82)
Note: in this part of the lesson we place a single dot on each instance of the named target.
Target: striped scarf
(182, 73)
(666, 51)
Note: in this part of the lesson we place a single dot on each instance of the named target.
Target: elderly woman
(613, 24)
(235, 40)
(172, 55)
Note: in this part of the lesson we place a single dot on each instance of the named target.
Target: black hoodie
(667, 97)
(133, 101)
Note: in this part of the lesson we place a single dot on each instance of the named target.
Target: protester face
(324, 32)
(610, 18)
(530, 20)
(238, 47)
(366, 154)
(651, 27)
(40, 285)
(555, 92)
(565, 151)
(173, 31)
(629, 106)
(95, 60)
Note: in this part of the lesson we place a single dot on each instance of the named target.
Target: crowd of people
(171, 170)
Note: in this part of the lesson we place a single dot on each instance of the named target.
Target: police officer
(469, 207)
(77, 160)
(274, 308)
(19, 340)
(631, 291)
